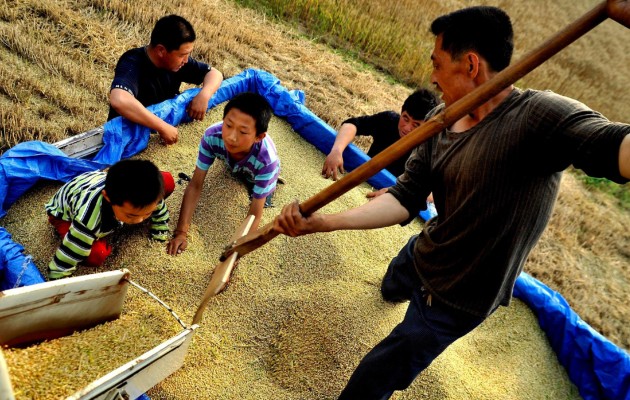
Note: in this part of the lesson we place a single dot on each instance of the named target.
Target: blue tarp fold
(597, 367)
(16, 269)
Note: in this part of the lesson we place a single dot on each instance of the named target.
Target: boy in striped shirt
(94, 204)
(241, 141)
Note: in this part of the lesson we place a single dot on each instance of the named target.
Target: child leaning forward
(241, 141)
(94, 204)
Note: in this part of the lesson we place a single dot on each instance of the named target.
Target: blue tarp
(595, 365)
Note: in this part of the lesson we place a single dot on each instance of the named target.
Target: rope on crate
(163, 304)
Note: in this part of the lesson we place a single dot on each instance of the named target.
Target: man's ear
(260, 136)
(104, 193)
(473, 64)
(160, 50)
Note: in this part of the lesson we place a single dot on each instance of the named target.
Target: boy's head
(172, 41)
(133, 188)
(245, 121)
(414, 110)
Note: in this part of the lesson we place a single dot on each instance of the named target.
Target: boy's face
(407, 124)
(130, 214)
(239, 133)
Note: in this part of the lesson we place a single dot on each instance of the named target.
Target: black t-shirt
(383, 127)
(136, 74)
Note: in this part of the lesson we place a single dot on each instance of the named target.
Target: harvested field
(297, 317)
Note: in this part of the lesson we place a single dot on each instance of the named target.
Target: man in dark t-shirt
(385, 128)
(151, 74)
(495, 175)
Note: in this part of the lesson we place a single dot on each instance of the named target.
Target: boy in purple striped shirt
(241, 141)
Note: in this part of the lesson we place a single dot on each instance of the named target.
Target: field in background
(395, 38)
(57, 58)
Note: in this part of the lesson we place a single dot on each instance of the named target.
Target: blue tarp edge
(599, 369)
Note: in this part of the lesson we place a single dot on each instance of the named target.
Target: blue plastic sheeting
(123, 138)
(20, 167)
(595, 365)
(16, 269)
(26, 163)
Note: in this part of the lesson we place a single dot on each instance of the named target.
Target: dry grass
(297, 317)
(74, 45)
(395, 37)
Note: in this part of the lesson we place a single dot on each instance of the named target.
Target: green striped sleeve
(159, 222)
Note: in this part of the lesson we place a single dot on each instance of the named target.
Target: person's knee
(61, 227)
(393, 291)
(169, 183)
(100, 250)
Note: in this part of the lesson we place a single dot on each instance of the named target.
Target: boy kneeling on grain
(241, 141)
(94, 204)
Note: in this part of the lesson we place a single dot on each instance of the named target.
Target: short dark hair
(254, 105)
(139, 182)
(483, 29)
(419, 103)
(171, 32)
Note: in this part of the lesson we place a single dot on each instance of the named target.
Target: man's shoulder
(212, 140)
(545, 100)
(379, 116)
(134, 55)
(390, 114)
(90, 178)
(267, 154)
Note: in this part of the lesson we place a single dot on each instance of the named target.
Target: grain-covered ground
(57, 60)
(297, 316)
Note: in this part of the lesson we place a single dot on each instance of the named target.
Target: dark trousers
(427, 329)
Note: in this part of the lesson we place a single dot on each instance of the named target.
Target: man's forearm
(384, 210)
(130, 108)
(346, 134)
(211, 83)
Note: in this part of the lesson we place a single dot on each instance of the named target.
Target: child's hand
(177, 244)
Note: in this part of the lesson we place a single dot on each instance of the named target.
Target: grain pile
(299, 313)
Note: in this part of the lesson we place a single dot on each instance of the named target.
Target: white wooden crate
(53, 309)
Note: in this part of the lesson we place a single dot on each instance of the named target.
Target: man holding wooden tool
(495, 173)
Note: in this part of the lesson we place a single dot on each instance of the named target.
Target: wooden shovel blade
(223, 271)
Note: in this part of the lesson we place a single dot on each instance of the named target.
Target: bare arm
(256, 209)
(129, 107)
(189, 203)
(624, 157)
(199, 105)
(334, 161)
(384, 210)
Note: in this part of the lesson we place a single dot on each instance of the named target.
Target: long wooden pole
(436, 124)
